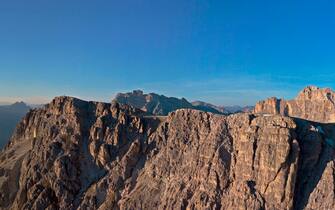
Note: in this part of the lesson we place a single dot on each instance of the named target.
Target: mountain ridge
(75, 154)
(312, 103)
(10, 115)
(161, 105)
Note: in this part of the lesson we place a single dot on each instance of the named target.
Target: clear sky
(225, 51)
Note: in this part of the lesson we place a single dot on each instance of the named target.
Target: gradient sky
(225, 52)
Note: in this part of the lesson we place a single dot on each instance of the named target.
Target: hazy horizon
(31, 101)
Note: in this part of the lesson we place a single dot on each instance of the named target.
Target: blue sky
(225, 52)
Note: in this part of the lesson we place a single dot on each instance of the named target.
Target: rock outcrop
(312, 103)
(74, 154)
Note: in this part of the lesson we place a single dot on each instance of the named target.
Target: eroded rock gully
(74, 154)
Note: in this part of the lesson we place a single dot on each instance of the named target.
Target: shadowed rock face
(74, 154)
(316, 175)
(315, 182)
(10, 115)
(312, 103)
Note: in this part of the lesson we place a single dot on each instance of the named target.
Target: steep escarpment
(315, 186)
(74, 154)
(316, 175)
(206, 161)
(312, 103)
(68, 146)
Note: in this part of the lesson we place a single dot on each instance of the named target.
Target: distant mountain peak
(20, 104)
(9, 117)
(157, 104)
(138, 92)
(315, 93)
(312, 103)
(152, 103)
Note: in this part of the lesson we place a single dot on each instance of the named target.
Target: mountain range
(75, 154)
(10, 115)
(161, 105)
(151, 103)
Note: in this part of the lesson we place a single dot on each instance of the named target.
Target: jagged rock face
(57, 163)
(161, 105)
(312, 103)
(315, 186)
(152, 103)
(208, 161)
(323, 196)
(74, 154)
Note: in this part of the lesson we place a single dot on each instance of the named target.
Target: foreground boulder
(74, 154)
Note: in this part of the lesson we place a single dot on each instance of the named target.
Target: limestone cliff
(74, 154)
(312, 103)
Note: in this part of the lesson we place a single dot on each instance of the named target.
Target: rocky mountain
(312, 103)
(207, 107)
(238, 109)
(73, 154)
(10, 115)
(162, 105)
(152, 103)
(203, 106)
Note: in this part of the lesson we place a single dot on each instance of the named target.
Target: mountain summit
(312, 103)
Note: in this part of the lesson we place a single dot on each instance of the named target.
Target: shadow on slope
(317, 144)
